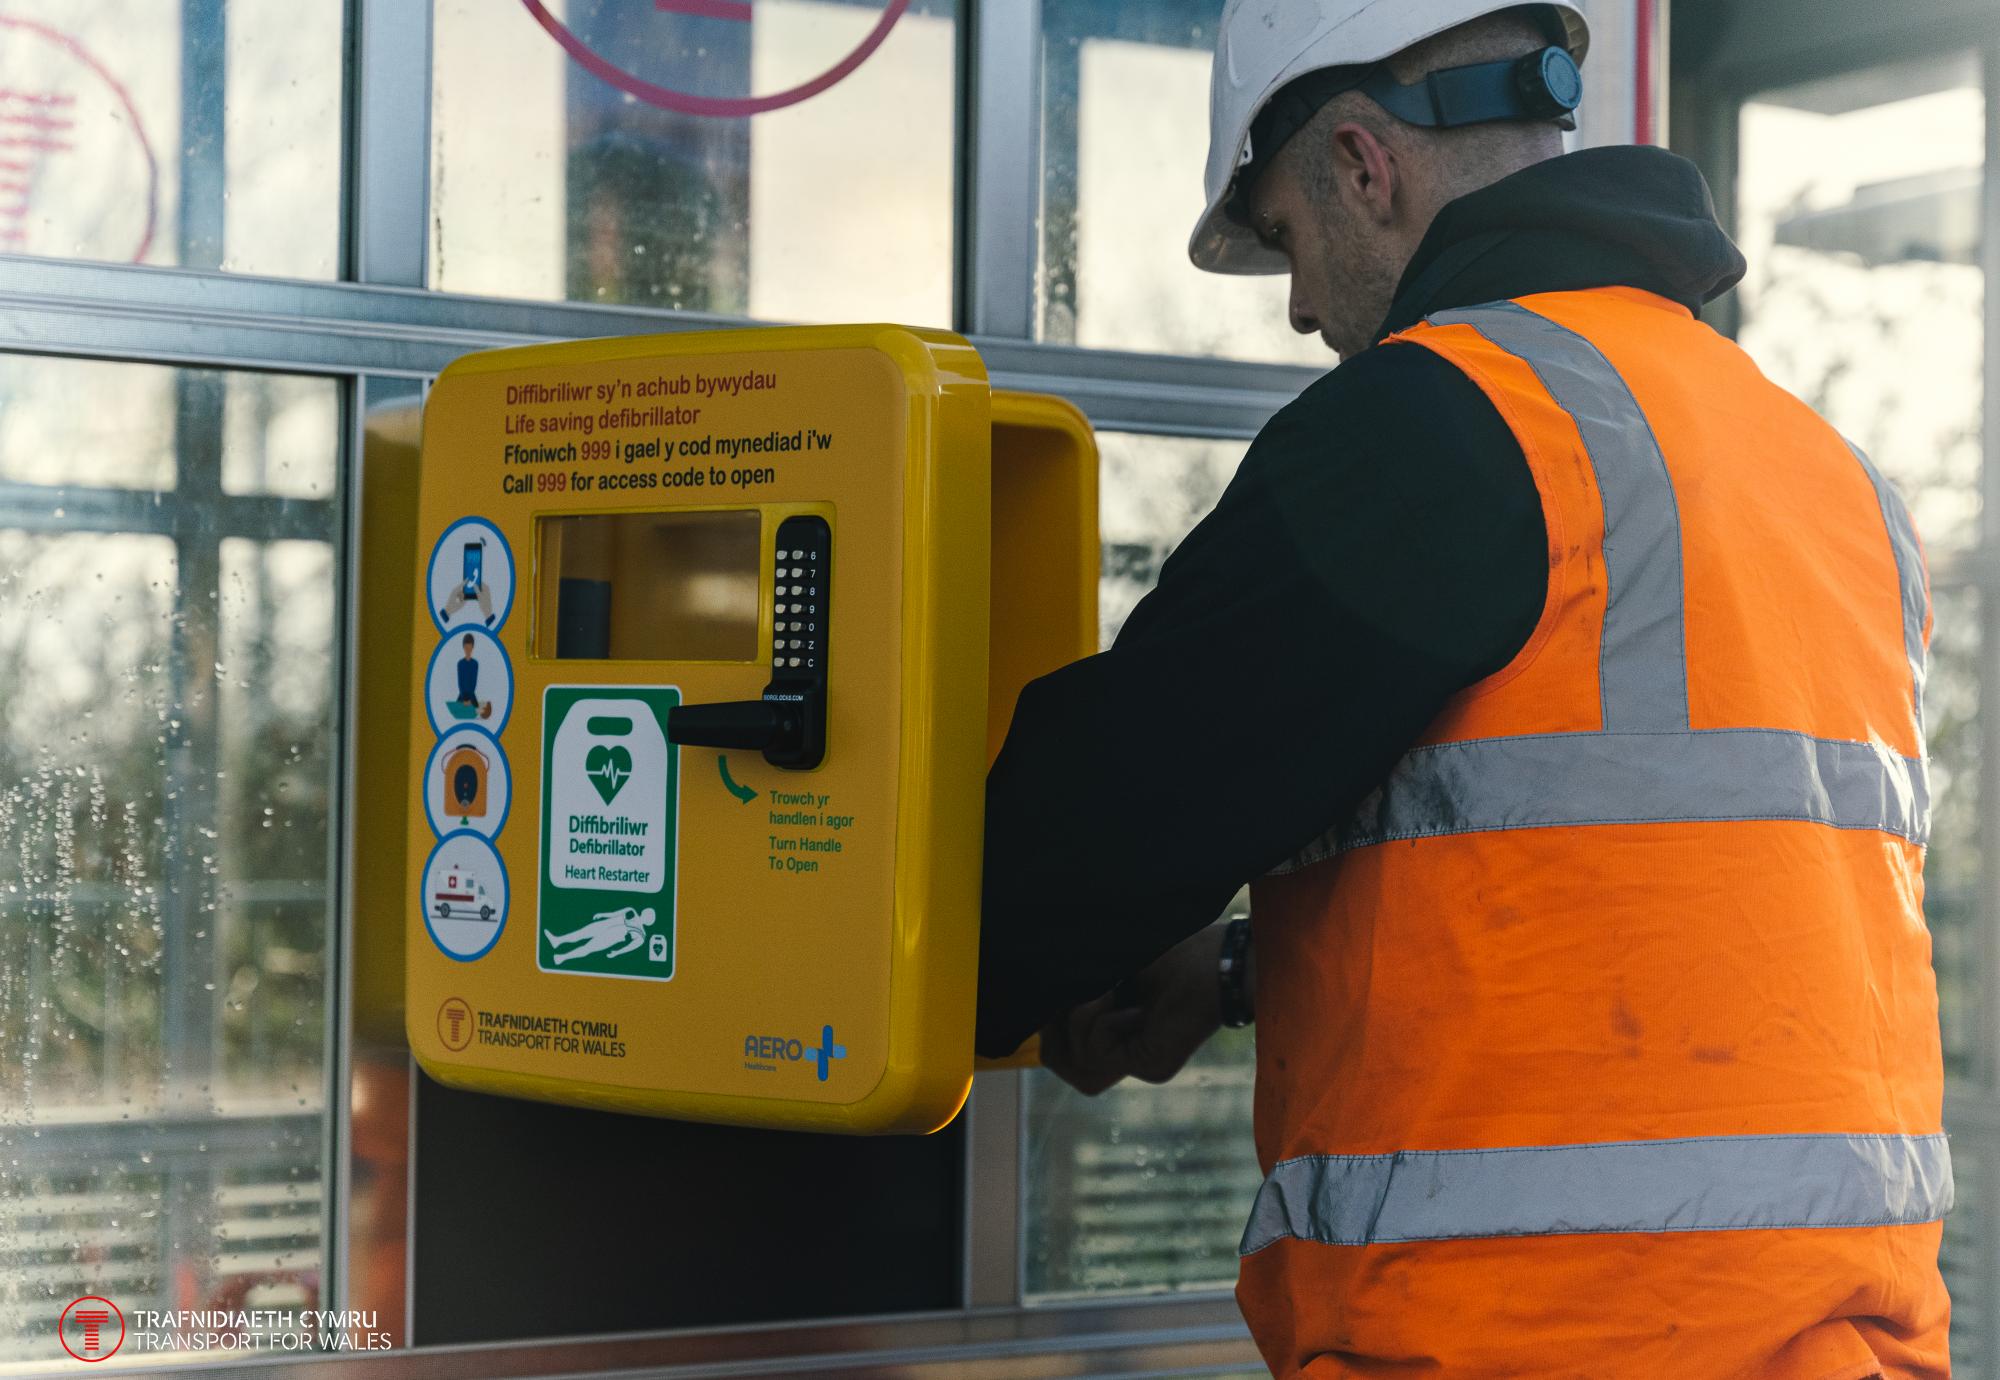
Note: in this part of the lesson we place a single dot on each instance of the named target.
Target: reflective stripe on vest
(1642, 662)
(1646, 766)
(1718, 1183)
(1909, 570)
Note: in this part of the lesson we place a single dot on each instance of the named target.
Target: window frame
(382, 336)
(1766, 49)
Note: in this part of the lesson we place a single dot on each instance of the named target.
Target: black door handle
(789, 728)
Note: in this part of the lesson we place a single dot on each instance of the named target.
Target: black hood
(1609, 217)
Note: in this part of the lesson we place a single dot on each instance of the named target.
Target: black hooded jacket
(1381, 548)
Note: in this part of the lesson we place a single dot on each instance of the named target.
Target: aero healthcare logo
(765, 1052)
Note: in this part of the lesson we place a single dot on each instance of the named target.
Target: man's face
(1339, 289)
(467, 645)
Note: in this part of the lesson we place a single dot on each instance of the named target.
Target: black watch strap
(1233, 973)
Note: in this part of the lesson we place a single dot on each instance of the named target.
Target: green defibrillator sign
(610, 831)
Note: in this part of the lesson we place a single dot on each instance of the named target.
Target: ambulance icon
(464, 895)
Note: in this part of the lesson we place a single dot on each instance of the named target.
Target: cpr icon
(470, 681)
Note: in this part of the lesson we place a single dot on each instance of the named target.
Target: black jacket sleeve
(1381, 548)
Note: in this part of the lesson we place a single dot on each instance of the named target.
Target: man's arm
(1381, 548)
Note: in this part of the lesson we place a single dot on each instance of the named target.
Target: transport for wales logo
(91, 1329)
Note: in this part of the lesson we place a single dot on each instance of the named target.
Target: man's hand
(1149, 1028)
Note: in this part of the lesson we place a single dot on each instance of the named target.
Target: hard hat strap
(1545, 85)
(1541, 86)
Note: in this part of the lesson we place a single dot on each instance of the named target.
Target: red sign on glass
(720, 107)
(77, 173)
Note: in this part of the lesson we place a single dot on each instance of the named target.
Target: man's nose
(1303, 320)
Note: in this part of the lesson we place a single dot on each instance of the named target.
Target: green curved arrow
(742, 793)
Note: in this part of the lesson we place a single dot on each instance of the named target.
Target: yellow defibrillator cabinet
(714, 638)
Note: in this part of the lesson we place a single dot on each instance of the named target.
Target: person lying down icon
(611, 933)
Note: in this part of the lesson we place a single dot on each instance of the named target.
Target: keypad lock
(788, 725)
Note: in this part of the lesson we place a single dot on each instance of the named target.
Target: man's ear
(1366, 169)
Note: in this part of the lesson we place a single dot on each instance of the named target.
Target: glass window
(1858, 206)
(275, 437)
(1125, 139)
(116, 447)
(1859, 209)
(1151, 491)
(168, 755)
(1859, 213)
(1144, 1188)
(199, 133)
(791, 160)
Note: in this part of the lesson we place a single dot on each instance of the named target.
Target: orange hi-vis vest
(1602, 1040)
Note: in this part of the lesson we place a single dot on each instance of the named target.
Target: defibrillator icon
(465, 770)
(466, 784)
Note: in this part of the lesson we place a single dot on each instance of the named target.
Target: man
(468, 703)
(1557, 681)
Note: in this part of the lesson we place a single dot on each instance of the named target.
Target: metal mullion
(1003, 172)
(364, 1221)
(995, 1206)
(192, 914)
(1973, 1112)
(337, 1132)
(202, 213)
(109, 311)
(34, 508)
(1989, 651)
(388, 185)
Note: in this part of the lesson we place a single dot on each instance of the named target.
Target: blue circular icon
(463, 895)
(467, 783)
(471, 577)
(471, 687)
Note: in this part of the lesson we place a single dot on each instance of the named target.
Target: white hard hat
(1263, 45)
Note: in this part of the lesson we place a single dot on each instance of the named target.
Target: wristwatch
(1233, 973)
